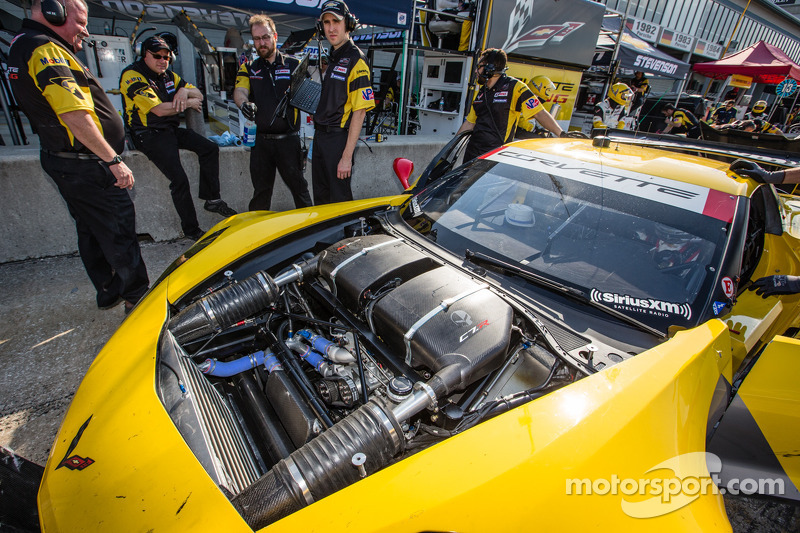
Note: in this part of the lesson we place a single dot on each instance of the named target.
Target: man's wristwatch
(116, 161)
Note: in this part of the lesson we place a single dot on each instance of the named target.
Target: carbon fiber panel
(476, 326)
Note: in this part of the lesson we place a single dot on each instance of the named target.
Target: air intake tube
(328, 463)
(323, 466)
(236, 302)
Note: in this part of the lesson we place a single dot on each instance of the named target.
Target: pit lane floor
(51, 330)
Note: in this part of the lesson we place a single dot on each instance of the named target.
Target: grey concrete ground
(50, 331)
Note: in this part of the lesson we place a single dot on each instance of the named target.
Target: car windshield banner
(564, 31)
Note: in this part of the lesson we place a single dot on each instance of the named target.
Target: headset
(54, 12)
(169, 38)
(350, 21)
(490, 67)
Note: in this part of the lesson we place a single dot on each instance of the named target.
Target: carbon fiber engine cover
(359, 266)
(473, 326)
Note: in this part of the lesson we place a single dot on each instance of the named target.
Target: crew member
(346, 97)
(681, 121)
(612, 112)
(762, 126)
(725, 114)
(262, 92)
(498, 106)
(640, 86)
(778, 284)
(740, 125)
(153, 96)
(758, 173)
(81, 137)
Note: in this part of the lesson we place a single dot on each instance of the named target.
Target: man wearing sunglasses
(154, 96)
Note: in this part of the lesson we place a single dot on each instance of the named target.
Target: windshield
(638, 243)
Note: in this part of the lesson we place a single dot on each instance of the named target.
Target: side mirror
(403, 168)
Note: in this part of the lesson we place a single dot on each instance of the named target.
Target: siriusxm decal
(719, 307)
(648, 306)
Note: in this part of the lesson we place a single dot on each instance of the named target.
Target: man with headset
(81, 137)
(498, 106)
(346, 97)
(153, 96)
(262, 88)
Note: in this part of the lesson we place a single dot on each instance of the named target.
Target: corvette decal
(76, 462)
(688, 196)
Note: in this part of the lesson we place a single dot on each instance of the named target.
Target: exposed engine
(341, 364)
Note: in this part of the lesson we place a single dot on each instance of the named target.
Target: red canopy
(764, 62)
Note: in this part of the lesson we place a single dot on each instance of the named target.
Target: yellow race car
(555, 336)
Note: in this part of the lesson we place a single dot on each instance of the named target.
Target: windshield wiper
(480, 258)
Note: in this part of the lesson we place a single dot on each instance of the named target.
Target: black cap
(336, 7)
(154, 44)
(668, 107)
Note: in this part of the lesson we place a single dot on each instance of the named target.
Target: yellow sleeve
(137, 91)
(243, 77)
(360, 92)
(60, 78)
(472, 117)
(528, 104)
(179, 83)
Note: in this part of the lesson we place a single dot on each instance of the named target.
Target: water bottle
(441, 104)
(249, 137)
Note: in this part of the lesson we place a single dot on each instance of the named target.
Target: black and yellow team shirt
(48, 81)
(268, 83)
(683, 119)
(639, 83)
(142, 90)
(496, 111)
(346, 87)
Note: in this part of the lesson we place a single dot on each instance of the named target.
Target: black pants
(285, 155)
(106, 223)
(478, 147)
(326, 154)
(161, 147)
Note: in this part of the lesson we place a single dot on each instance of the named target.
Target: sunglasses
(159, 56)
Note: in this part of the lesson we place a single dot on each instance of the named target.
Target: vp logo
(461, 318)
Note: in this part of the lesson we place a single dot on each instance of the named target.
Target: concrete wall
(37, 223)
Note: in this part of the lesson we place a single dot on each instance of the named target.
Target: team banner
(635, 54)
(565, 31)
(566, 81)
